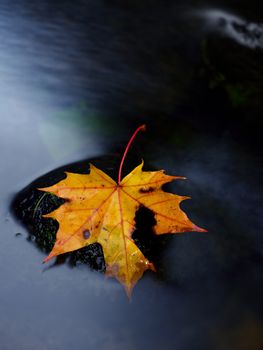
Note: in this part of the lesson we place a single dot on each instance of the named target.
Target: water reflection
(43, 119)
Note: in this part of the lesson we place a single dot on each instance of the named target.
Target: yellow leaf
(99, 210)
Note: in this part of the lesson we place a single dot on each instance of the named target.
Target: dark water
(76, 79)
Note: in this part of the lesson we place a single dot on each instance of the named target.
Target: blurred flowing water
(75, 80)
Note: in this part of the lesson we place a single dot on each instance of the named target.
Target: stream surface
(76, 79)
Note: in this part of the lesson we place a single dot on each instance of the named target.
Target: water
(76, 79)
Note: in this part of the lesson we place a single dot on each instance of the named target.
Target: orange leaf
(99, 210)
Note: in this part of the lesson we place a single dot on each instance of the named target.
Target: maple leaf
(99, 210)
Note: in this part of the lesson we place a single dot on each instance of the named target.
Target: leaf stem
(142, 127)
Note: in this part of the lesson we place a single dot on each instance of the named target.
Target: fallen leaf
(99, 210)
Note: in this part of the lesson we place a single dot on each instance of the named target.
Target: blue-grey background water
(76, 78)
